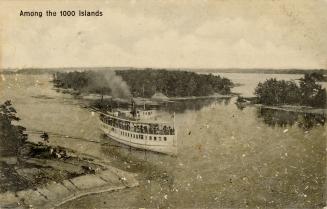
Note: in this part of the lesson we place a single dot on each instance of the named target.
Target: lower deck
(158, 143)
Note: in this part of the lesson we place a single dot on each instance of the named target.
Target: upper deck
(122, 121)
(142, 116)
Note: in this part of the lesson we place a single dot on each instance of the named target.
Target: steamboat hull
(165, 144)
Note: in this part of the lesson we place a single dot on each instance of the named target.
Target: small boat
(136, 129)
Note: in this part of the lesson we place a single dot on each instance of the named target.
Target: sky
(166, 34)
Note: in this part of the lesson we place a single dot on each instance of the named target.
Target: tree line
(174, 83)
(12, 136)
(145, 83)
(85, 81)
(306, 92)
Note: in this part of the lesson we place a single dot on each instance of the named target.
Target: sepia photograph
(163, 104)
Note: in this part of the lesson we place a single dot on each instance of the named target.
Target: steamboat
(138, 129)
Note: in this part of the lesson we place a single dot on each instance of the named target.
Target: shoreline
(52, 194)
(249, 101)
(298, 109)
(92, 96)
(51, 175)
(215, 96)
(55, 194)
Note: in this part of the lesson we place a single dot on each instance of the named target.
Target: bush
(11, 136)
(280, 92)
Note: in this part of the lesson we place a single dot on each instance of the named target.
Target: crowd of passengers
(144, 128)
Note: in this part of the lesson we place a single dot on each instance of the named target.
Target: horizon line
(190, 68)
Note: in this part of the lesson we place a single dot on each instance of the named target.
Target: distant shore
(249, 101)
(199, 70)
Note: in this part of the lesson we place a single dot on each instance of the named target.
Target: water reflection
(195, 105)
(177, 106)
(283, 118)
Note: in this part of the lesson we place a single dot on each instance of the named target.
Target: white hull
(166, 144)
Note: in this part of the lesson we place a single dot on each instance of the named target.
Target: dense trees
(174, 83)
(87, 81)
(279, 92)
(147, 82)
(318, 76)
(11, 136)
(273, 91)
(312, 94)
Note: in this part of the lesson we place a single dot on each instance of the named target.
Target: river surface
(227, 157)
(249, 81)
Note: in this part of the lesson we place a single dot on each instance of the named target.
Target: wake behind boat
(136, 129)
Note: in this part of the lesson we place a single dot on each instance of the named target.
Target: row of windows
(140, 136)
(147, 113)
(139, 128)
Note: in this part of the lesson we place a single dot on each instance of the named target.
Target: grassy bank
(38, 174)
(18, 173)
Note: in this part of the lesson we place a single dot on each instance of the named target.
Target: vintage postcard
(163, 104)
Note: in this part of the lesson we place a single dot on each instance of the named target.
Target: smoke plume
(107, 82)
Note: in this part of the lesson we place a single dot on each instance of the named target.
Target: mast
(143, 98)
(175, 133)
(133, 110)
(102, 95)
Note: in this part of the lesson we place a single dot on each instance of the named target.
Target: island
(144, 83)
(306, 95)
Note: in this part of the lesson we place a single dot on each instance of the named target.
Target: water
(228, 158)
(249, 81)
